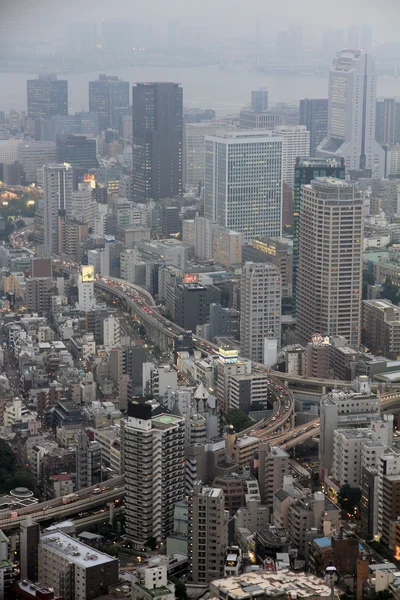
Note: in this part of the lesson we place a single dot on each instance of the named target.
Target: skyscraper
(77, 150)
(208, 533)
(88, 462)
(296, 142)
(260, 309)
(152, 458)
(332, 42)
(351, 113)
(47, 96)
(157, 135)
(387, 127)
(109, 97)
(353, 37)
(243, 182)
(307, 169)
(58, 187)
(314, 115)
(259, 100)
(329, 276)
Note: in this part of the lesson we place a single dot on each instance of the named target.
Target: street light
(331, 577)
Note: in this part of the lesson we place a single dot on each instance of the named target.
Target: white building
(158, 380)
(260, 308)
(9, 151)
(151, 447)
(392, 161)
(111, 332)
(99, 226)
(351, 113)
(129, 259)
(153, 577)
(58, 188)
(33, 155)
(83, 207)
(86, 297)
(296, 142)
(73, 569)
(243, 182)
(194, 149)
(342, 409)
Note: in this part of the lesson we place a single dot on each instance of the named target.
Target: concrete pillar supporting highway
(323, 390)
(111, 508)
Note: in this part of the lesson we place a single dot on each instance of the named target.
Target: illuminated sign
(317, 338)
(190, 278)
(87, 273)
(228, 356)
(264, 247)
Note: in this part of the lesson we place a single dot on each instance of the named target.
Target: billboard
(228, 356)
(191, 278)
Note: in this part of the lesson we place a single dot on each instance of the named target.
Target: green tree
(349, 498)
(367, 279)
(181, 591)
(390, 291)
(384, 595)
(238, 419)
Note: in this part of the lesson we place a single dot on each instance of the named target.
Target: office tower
(78, 151)
(329, 276)
(208, 533)
(273, 465)
(88, 462)
(314, 115)
(259, 100)
(73, 569)
(306, 170)
(33, 155)
(9, 151)
(332, 42)
(86, 287)
(58, 187)
(194, 149)
(296, 142)
(260, 309)
(47, 96)
(243, 182)
(387, 127)
(366, 39)
(109, 98)
(388, 496)
(254, 120)
(353, 37)
(81, 38)
(157, 132)
(351, 113)
(71, 235)
(170, 220)
(152, 458)
(83, 206)
(39, 291)
(29, 538)
(117, 37)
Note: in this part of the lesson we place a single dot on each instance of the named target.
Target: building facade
(109, 97)
(58, 187)
(47, 96)
(314, 115)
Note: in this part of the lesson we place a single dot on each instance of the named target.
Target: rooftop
(69, 547)
(164, 419)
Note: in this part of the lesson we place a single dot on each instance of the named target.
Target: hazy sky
(224, 17)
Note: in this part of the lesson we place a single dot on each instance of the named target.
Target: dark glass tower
(47, 96)
(157, 140)
(109, 97)
(314, 115)
(306, 170)
(78, 151)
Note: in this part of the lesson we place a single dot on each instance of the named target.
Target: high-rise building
(388, 495)
(77, 150)
(273, 465)
(152, 458)
(243, 182)
(58, 187)
(47, 96)
(208, 533)
(33, 155)
(259, 100)
(296, 142)
(39, 291)
(109, 97)
(332, 42)
(387, 125)
(351, 113)
(73, 569)
(314, 115)
(329, 276)
(157, 134)
(353, 37)
(257, 120)
(29, 538)
(86, 288)
(194, 149)
(260, 308)
(88, 462)
(306, 170)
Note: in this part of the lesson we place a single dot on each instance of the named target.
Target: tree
(367, 279)
(390, 291)
(238, 419)
(384, 595)
(349, 498)
(181, 591)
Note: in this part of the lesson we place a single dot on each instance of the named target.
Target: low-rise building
(381, 327)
